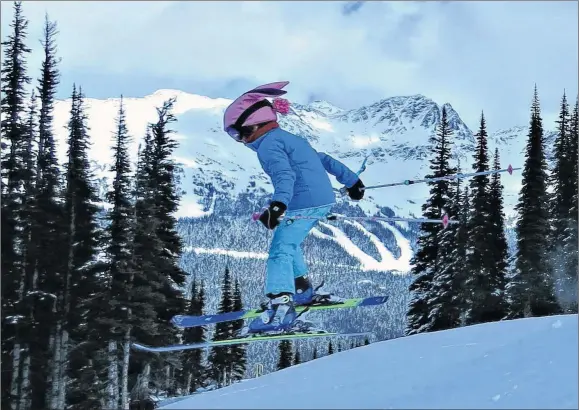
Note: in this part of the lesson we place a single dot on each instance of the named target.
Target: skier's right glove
(270, 217)
(356, 192)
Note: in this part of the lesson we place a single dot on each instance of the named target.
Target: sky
(477, 56)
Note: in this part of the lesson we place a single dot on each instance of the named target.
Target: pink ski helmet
(252, 108)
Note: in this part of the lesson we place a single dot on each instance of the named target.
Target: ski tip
(510, 169)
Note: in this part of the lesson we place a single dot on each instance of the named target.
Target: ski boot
(278, 317)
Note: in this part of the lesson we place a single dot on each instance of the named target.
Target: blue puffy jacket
(299, 173)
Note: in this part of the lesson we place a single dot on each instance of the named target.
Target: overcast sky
(474, 55)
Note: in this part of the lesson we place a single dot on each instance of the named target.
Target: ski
(186, 321)
(243, 340)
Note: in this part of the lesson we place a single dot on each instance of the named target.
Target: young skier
(302, 187)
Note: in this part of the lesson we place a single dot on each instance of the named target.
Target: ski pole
(333, 217)
(510, 170)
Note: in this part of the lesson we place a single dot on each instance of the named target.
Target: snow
(387, 261)
(525, 363)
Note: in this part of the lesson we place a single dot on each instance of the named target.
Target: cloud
(352, 7)
(474, 55)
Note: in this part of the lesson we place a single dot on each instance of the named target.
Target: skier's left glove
(270, 217)
(356, 192)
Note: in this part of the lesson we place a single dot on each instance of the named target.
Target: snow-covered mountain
(514, 364)
(223, 184)
(393, 131)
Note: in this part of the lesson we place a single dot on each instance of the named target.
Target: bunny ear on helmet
(271, 89)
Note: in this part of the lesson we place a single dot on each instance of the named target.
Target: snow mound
(525, 363)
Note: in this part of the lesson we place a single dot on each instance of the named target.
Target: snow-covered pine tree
(315, 353)
(532, 290)
(426, 260)
(219, 357)
(285, 354)
(238, 352)
(14, 136)
(484, 301)
(79, 371)
(194, 371)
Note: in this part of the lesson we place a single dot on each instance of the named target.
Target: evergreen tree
(531, 290)
(285, 354)
(485, 301)
(574, 152)
(498, 247)
(166, 201)
(148, 281)
(14, 137)
(446, 291)
(330, 348)
(366, 341)
(315, 353)
(159, 278)
(297, 357)
(237, 352)
(113, 321)
(46, 264)
(219, 356)
(567, 291)
(561, 203)
(562, 173)
(82, 279)
(427, 260)
(195, 371)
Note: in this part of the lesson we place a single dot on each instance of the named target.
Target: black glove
(356, 192)
(270, 217)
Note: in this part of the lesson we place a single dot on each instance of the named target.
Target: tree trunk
(125, 371)
(15, 386)
(113, 376)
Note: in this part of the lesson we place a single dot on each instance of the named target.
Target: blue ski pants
(286, 259)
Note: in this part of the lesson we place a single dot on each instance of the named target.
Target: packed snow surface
(525, 363)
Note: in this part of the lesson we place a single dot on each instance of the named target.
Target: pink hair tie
(281, 105)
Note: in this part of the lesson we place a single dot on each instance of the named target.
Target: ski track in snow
(513, 364)
(387, 263)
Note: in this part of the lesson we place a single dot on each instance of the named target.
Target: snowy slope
(526, 363)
